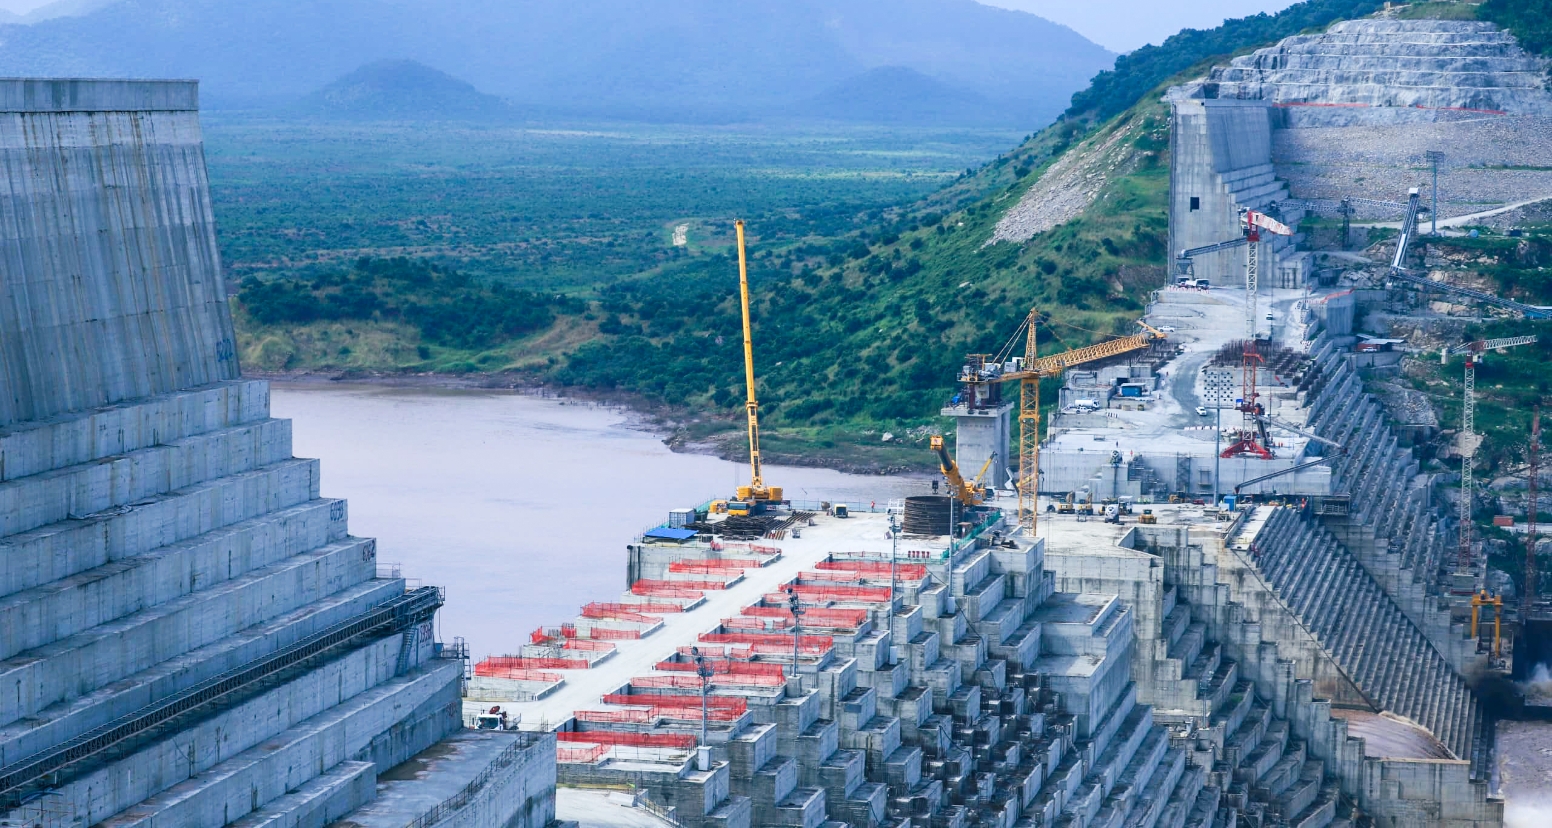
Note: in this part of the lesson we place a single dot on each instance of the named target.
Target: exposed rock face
(1446, 65)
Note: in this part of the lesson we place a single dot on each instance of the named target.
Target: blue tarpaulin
(665, 533)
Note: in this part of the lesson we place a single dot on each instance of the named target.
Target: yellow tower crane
(756, 491)
(1028, 370)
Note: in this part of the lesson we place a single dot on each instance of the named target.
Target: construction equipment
(756, 493)
(983, 371)
(1252, 223)
(1479, 601)
(971, 493)
(1067, 507)
(1469, 439)
(1148, 517)
(1252, 436)
(1532, 581)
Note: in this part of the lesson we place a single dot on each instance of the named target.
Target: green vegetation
(1139, 72)
(1448, 10)
(1529, 20)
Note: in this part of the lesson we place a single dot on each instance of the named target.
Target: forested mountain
(653, 59)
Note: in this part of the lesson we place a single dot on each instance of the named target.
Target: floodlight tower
(1434, 157)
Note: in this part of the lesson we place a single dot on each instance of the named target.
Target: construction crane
(1469, 439)
(971, 493)
(756, 492)
(1532, 581)
(1028, 370)
(1276, 423)
(1252, 224)
(1343, 208)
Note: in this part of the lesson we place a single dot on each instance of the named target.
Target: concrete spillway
(191, 636)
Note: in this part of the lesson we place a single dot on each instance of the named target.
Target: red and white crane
(1251, 438)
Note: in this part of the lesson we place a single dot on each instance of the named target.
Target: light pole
(704, 670)
(1434, 157)
(796, 606)
(894, 554)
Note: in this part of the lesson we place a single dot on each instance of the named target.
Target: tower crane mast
(1469, 439)
(1028, 370)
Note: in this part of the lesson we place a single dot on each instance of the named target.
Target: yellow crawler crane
(1028, 371)
(756, 491)
(971, 493)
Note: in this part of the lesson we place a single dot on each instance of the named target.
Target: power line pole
(796, 606)
(1434, 157)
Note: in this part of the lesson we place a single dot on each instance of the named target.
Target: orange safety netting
(709, 565)
(612, 634)
(723, 667)
(611, 737)
(526, 675)
(819, 616)
(815, 593)
(682, 681)
(698, 585)
(666, 589)
(909, 572)
(498, 666)
(638, 609)
(581, 755)
(615, 612)
(824, 641)
(635, 715)
(671, 700)
(588, 645)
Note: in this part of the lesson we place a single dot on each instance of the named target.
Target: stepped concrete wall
(157, 533)
(110, 281)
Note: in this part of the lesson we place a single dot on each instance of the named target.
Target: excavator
(969, 494)
(984, 370)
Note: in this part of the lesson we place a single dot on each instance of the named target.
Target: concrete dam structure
(190, 634)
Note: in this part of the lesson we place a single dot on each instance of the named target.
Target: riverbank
(842, 449)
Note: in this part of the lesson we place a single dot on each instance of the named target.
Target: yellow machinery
(1479, 601)
(1148, 517)
(1028, 371)
(756, 491)
(1066, 507)
(971, 493)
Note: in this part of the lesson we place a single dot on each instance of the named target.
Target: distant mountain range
(403, 90)
(679, 59)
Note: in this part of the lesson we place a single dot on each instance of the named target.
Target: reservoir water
(521, 507)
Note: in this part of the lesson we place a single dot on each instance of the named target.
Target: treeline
(448, 307)
(1528, 20)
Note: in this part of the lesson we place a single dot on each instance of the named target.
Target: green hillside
(859, 334)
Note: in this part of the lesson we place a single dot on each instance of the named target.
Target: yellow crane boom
(968, 493)
(756, 490)
(1028, 375)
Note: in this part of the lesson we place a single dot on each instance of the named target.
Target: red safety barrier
(682, 681)
(612, 634)
(822, 616)
(677, 700)
(910, 572)
(639, 609)
(608, 611)
(496, 665)
(636, 715)
(818, 593)
(588, 645)
(683, 741)
(708, 565)
(724, 667)
(667, 589)
(581, 755)
(700, 585)
(528, 675)
(756, 638)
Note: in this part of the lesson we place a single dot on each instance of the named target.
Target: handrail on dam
(391, 617)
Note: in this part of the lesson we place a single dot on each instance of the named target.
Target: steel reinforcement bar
(389, 618)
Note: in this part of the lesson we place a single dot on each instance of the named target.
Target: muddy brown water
(520, 507)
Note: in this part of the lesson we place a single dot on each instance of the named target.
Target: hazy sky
(1124, 25)
(1119, 25)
